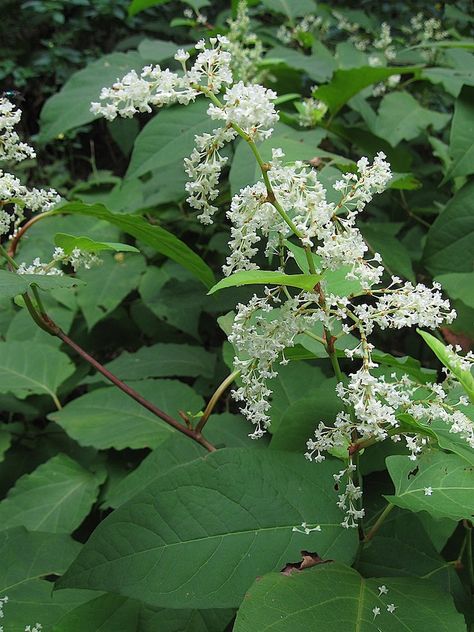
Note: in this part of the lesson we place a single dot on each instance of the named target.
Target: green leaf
(161, 360)
(295, 382)
(107, 285)
(452, 441)
(107, 418)
(301, 418)
(347, 83)
(405, 365)
(297, 145)
(12, 284)
(55, 497)
(335, 281)
(226, 429)
(450, 240)
(27, 557)
(459, 286)
(290, 8)
(171, 620)
(107, 613)
(267, 277)
(140, 5)
(332, 597)
(403, 548)
(219, 522)
(401, 117)
(32, 369)
(158, 238)
(318, 67)
(395, 255)
(169, 133)
(175, 452)
(157, 50)
(405, 181)
(449, 476)
(69, 242)
(461, 142)
(177, 302)
(70, 107)
(448, 358)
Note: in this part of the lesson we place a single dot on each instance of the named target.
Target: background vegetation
(73, 448)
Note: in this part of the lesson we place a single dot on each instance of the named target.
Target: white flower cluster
(204, 167)
(77, 259)
(245, 48)
(406, 306)
(13, 193)
(298, 190)
(15, 198)
(311, 111)
(11, 148)
(426, 29)
(250, 107)
(246, 109)
(384, 41)
(350, 497)
(288, 33)
(156, 87)
(261, 331)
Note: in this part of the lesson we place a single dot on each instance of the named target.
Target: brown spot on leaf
(308, 560)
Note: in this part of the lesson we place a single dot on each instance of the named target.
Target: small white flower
(391, 608)
(376, 611)
(428, 491)
(383, 590)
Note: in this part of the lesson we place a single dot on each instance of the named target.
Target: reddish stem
(189, 432)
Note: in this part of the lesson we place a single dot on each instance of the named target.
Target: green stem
(378, 523)
(38, 300)
(214, 399)
(56, 401)
(35, 316)
(9, 259)
(315, 337)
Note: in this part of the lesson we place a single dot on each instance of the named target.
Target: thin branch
(128, 390)
(378, 523)
(14, 242)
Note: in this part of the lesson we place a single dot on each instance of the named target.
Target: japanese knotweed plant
(289, 202)
(342, 289)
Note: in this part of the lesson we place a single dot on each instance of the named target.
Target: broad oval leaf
(32, 368)
(401, 117)
(165, 359)
(441, 484)
(169, 133)
(26, 558)
(107, 418)
(449, 243)
(267, 277)
(199, 536)
(55, 497)
(347, 83)
(333, 597)
(70, 107)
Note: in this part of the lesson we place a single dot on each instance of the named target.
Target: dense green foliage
(135, 525)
